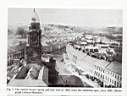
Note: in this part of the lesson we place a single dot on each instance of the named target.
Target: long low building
(109, 74)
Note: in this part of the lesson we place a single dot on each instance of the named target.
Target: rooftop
(113, 66)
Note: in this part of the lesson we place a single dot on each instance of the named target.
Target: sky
(79, 17)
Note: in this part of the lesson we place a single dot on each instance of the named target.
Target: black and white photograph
(60, 47)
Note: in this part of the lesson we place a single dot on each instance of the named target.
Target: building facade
(98, 71)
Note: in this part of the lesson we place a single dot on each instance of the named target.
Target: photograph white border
(81, 4)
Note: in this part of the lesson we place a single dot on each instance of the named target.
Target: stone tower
(33, 49)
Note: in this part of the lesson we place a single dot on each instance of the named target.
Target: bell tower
(33, 49)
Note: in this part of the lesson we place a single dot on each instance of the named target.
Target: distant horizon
(117, 26)
(93, 18)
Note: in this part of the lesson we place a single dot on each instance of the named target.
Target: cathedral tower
(33, 50)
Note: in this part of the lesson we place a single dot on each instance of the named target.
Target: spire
(34, 10)
(35, 17)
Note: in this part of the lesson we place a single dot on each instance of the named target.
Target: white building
(109, 73)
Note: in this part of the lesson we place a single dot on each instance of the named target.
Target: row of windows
(107, 79)
(16, 56)
(118, 77)
(99, 68)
